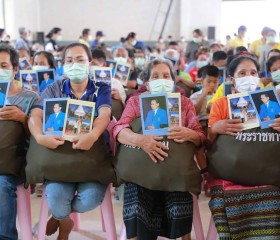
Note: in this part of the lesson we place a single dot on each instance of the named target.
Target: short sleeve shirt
(100, 93)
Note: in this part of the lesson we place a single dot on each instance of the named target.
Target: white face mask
(134, 42)
(76, 72)
(39, 67)
(161, 86)
(58, 38)
(7, 75)
(139, 81)
(89, 38)
(120, 59)
(276, 76)
(246, 84)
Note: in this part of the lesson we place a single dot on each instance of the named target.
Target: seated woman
(241, 212)
(21, 102)
(61, 196)
(147, 213)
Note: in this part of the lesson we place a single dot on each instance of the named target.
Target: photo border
(57, 133)
(123, 82)
(264, 124)
(155, 132)
(26, 72)
(176, 95)
(45, 70)
(95, 68)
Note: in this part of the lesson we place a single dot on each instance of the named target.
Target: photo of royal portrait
(29, 80)
(266, 103)
(79, 118)
(102, 75)
(241, 107)
(174, 106)
(24, 64)
(54, 115)
(122, 72)
(154, 114)
(45, 78)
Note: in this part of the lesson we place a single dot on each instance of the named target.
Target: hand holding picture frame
(79, 118)
(240, 107)
(154, 114)
(266, 103)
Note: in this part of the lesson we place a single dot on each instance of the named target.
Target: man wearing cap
(239, 39)
(98, 39)
(22, 42)
(257, 45)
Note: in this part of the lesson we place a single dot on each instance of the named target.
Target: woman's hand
(276, 124)
(50, 141)
(180, 134)
(84, 141)
(154, 148)
(228, 127)
(12, 113)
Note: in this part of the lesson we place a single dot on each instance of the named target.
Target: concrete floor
(91, 227)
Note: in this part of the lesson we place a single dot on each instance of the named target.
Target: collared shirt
(21, 43)
(237, 42)
(81, 40)
(100, 93)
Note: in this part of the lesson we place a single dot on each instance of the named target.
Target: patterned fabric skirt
(148, 214)
(248, 214)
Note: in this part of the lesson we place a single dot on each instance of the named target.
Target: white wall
(116, 18)
(200, 14)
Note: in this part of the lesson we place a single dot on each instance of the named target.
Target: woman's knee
(90, 197)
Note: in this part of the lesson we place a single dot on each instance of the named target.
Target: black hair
(98, 53)
(131, 35)
(172, 43)
(76, 45)
(273, 50)
(240, 49)
(148, 69)
(198, 31)
(271, 61)
(236, 61)
(219, 55)
(215, 45)
(156, 100)
(55, 30)
(48, 56)
(265, 94)
(85, 31)
(14, 57)
(210, 71)
(230, 52)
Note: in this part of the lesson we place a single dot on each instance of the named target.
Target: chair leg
(102, 221)
(212, 231)
(198, 229)
(123, 233)
(24, 214)
(43, 217)
(77, 221)
(108, 214)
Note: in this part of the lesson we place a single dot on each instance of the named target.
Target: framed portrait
(24, 64)
(154, 114)
(29, 80)
(174, 109)
(79, 118)
(266, 103)
(54, 113)
(229, 88)
(122, 72)
(241, 107)
(45, 78)
(4, 90)
(102, 74)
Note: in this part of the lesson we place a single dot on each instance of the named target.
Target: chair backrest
(110, 131)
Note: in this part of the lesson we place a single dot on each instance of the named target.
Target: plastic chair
(198, 229)
(24, 212)
(212, 231)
